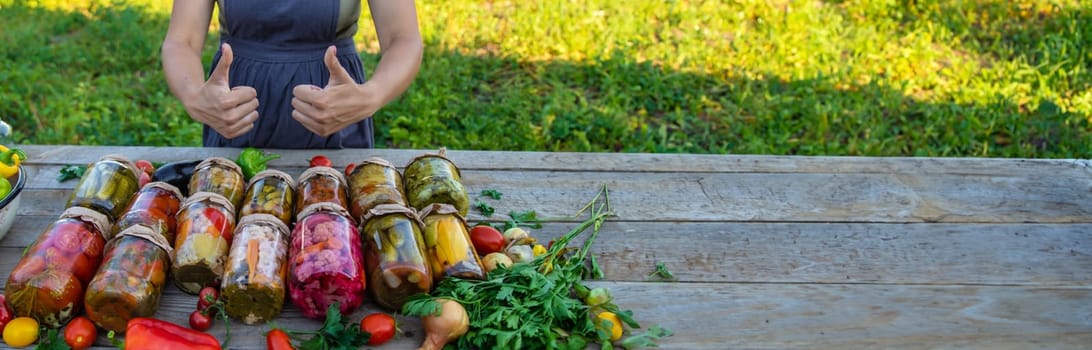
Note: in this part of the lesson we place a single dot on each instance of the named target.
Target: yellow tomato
(9, 161)
(615, 324)
(21, 331)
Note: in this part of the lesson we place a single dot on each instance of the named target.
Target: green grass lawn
(878, 78)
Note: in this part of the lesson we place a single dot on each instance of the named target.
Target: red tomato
(486, 239)
(207, 296)
(349, 169)
(277, 339)
(321, 161)
(5, 312)
(200, 321)
(80, 333)
(381, 326)
(144, 179)
(145, 166)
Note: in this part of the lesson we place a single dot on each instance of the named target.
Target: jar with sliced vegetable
(325, 265)
(447, 239)
(433, 178)
(206, 222)
(253, 286)
(106, 186)
(395, 255)
(373, 182)
(155, 206)
(48, 282)
(270, 192)
(221, 176)
(320, 184)
(131, 279)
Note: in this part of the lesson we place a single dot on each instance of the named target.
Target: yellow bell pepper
(9, 161)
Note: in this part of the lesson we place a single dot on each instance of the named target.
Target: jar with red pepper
(322, 184)
(206, 223)
(48, 282)
(221, 176)
(373, 182)
(106, 186)
(253, 284)
(395, 255)
(270, 192)
(131, 279)
(324, 261)
(155, 206)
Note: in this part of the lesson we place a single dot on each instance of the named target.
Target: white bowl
(10, 204)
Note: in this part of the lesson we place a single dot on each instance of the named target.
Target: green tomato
(5, 188)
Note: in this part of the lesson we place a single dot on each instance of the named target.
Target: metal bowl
(10, 204)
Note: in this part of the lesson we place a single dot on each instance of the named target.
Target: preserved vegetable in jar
(48, 282)
(155, 206)
(131, 279)
(106, 186)
(270, 192)
(321, 184)
(394, 255)
(221, 176)
(448, 243)
(253, 286)
(373, 182)
(324, 261)
(205, 224)
(432, 178)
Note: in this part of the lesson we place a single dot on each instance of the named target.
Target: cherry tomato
(277, 339)
(145, 166)
(486, 239)
(349, 169)
(144, 179)
(200, 321)
(381, 326)
(80, 333)
(207, 296)
(5, 312)
(321, 161)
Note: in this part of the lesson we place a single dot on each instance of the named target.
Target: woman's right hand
(230, 111)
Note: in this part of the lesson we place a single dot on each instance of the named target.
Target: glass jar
(394, 255)
(106, 186)
(447, 240)
(270, 192)
(373, 182)
(48, 282)
(322, 184)
(131, 279)
(205, 224)
(221, 176)
(155, 206)
(432, 178)
(324, 261)
(253, 286)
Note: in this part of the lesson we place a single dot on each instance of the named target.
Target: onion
(451, 324)
(493, 260)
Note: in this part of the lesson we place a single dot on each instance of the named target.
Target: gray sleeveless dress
(279, 44)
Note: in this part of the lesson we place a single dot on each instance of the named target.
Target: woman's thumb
(220, 73)
(338, 74)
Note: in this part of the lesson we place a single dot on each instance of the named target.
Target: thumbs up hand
(230, 111)
(339, 104)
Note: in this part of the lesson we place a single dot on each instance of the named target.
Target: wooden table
(769, 251)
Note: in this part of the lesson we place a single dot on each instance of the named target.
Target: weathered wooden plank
(613, 162)
(1043, 255)
(829, 316)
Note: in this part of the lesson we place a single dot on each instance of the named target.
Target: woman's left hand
(341, 103)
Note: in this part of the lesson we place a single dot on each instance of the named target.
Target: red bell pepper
(5, 312)
(143, 333)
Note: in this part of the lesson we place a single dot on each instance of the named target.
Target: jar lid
(99, 220)
(387, 209)
(325, 207)
(261, 218)
(376, 161)
(220, 161)
(166, 187)
(442, 154)
(440, 209)
(324, 171)
(123, 160)
(145, 232)
(215, 198)
(273, 173)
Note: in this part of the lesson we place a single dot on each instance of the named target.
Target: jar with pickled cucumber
(48, 282)
(450, 250)
(221, 176)
(321, 184)
(433, 178)
(395, 255)
(373, 182)
(325, 265)
(270, 192)
(130, 282)
(155, 206)
(253, 286)
(106, 186)
(206, 222)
